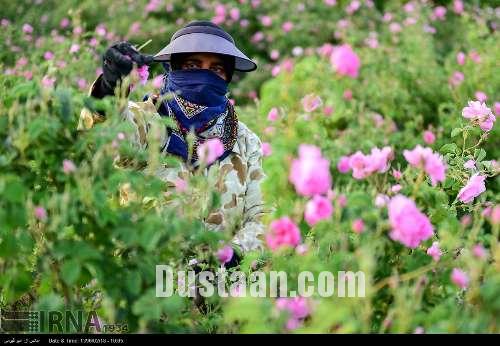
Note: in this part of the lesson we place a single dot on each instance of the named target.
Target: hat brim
(206, 43)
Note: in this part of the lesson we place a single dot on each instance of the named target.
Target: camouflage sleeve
(250, 235)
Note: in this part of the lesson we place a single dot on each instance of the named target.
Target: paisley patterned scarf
(198, 104)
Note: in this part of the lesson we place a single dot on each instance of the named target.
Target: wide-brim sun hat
(205, 37)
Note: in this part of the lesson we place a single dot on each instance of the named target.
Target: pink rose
(283, 233)
(343, 164)
(317, 209)
(345, 61)
(310, 173)
(40, 213)
(409, 225)
(311, 102)
(434, 251)
(474, 187)
(429, 137)
(273, 114)
(225, 254)
(459, 278)
(432, 163)
(210, 150)
(358, 226)
(479, 113)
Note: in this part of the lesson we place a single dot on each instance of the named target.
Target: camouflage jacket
(240, 175)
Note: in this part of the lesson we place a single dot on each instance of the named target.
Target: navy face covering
(199, 104)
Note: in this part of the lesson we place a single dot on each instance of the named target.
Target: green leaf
(479, 154)
(70, 271)
(456, 131)
(133, 282)
(449, 148)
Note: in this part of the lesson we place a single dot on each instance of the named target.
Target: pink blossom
(297, 308)
(432, 163)
(152, 6)
(27, 29)
(266, 149)
(48, 55)
(429, 137)
(330, 2)
(244, 23)
(409, 225)
(48, 82)
(157, 82)
(458, 6)
(353, 6)
(273, 114)
(461, 58)
(345, 61)
(22, 61)
(225, 254)
(474, 56)
(257, 37)
(40, 213)
(381, 200)
(347, 95)
(301, 249)
(143, 73)
(28, 75)
(479, 251)
(275, 70)
(287, 26)
(266, 21)
(434, 251)
(270, 130)
(395, 27)
(5, 22)
(283, 233)
(180, 185)
(466, 220)
(317, 209)
(440, 12)
(409, 7)
(396, 188)
(64, 23)
(325, 50)
(210, 150)
(470, 164)
(397, 174)
(342, 200)
(496, 108)
(327, 111)
(311, 102)
(459, 278)
(310, 173)
(479, 113)
(82, 83)
(74, 48)
(68, 166)
(481, 96)
(474, 187)
(419, 330)
(358, 226)
(372, 42)
(456, 78)
(234, 14)
(287, 65)
(387, 17)
(274, 55)
(343, 164)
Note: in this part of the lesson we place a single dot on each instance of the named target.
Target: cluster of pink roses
(432, 163)
(479, 114)
(363, 165)
(297, 308)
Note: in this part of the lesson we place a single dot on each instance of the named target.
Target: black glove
(118, 61)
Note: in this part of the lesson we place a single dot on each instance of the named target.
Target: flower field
(380, 151)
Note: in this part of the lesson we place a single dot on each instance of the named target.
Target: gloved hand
(118, 61)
